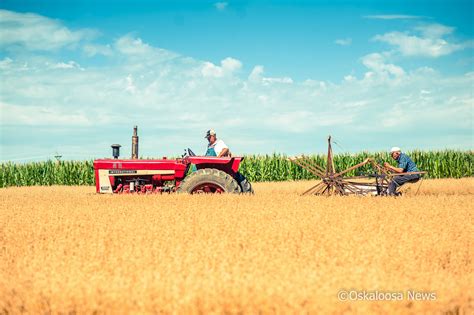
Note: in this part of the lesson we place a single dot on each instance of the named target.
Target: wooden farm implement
(337, 183)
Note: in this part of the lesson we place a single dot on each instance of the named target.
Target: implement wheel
(209, 180)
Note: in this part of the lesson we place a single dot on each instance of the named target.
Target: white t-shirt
(218, 146)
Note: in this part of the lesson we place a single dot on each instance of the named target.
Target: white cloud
(42, 115)
(392, 17)
(227, 67)
(92, 50)
(129, 45)
(434, 30)
(130, 85)
(221, 5)
(69, 65)
(350, 78)
(231, 64)
(377, 63)
(303, 121)
(134, 48)
(430, 44)
(5, 63)
(257, 76)
(286, 80)
(343, 42)
(35, 32)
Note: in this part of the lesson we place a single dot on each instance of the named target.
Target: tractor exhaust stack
(135, 144)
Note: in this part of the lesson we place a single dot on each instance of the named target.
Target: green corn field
(257, 168)
(47, 173)
(438, 164)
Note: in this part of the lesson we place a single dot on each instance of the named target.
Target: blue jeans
(398, 181)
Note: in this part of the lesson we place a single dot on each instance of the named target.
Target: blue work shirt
(406, 163)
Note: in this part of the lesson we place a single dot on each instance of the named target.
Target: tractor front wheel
(209, 180)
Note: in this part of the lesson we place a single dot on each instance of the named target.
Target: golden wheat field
(68, 250)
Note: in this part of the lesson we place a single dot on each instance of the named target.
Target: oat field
(68, 250)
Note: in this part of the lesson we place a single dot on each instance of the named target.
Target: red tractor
(210, 174)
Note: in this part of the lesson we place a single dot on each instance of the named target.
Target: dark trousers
(398, 181)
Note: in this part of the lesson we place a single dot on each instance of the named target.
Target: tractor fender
(229, 165)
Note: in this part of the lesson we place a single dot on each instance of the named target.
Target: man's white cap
(395, 149)
(209, 133)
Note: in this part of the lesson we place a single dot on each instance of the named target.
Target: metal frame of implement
(335, 183)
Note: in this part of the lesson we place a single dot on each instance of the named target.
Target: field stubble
(67, 249)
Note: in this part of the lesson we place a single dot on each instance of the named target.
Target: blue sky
(269, 76)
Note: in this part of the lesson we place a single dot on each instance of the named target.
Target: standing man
(216, 147)
(405, 164)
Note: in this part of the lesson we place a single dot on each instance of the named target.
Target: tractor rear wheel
(209, 180)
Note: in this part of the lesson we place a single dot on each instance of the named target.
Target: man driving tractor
(216, 147)
(405, 164)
